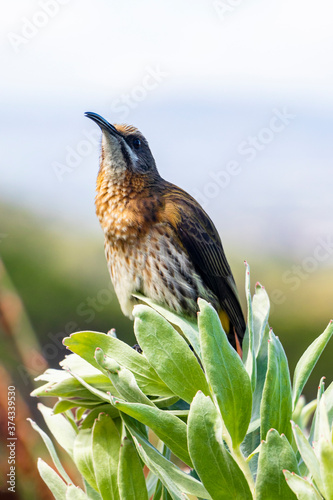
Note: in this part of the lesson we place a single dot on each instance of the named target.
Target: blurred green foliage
(61, 274)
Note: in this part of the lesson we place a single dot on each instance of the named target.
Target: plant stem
(239, 458)
(244, 466)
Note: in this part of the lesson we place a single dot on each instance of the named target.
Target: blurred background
(236, 100)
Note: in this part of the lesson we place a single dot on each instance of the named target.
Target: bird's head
(124, 151)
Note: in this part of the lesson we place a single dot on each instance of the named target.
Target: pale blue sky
(201, 79)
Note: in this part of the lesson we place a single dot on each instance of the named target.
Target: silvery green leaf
(308, 361)
(226, 374)
(52, 480)
(302, 488)
(168, 353)
(276, 404)
(276, 454)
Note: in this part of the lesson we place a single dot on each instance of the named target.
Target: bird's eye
(137, 143)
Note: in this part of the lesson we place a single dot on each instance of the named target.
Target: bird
(159, 241)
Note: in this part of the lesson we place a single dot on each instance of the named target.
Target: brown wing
(203, 244)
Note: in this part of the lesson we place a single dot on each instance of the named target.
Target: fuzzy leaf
(308, 361)
(51, 449)
(52, 375)
(326, 461)
(324, 426)
(329, 403)
(122, 379)
(165, 402)
(260, 309)
(187, 327)
(75, 493)
(308, 455)
(168, 353)
(170, 429)
(174, 479)
(249, 355)
(85, 343)
(76, 364)
(324, 451)
(52, 480)
(105, 456)
(314, 432)
(216, 468)
(92, 494)
(301, 487)
(83, 456)
(276, 405)
(70, 387)
(90, 418)
(63, 405)
(131, 480)
(275, 455)
(171, 487)
(261, 362)
(226, 374)
(60, 427)
(101, 395)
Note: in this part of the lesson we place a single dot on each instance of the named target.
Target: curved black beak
(101, 122)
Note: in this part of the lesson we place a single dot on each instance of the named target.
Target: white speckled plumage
(157, 267)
